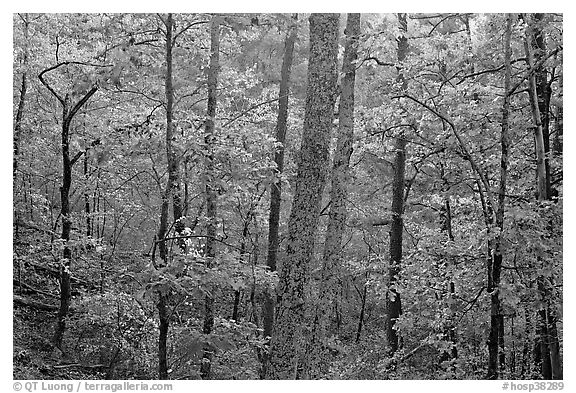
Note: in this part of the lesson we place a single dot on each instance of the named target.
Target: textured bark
(316, 364)
(496, 336)
(288, 341)
(276, 189)
(210, 251)
(393, 301)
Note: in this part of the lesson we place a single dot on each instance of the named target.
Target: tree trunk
(288, 340)
(362, 310)
(536, 117)
(209, 138)
(316, 364)
(87, 199)
(172, 191)
(163, 336)
(543, 90)
(496, 336)
(18, 120)
(550, 345)
(393, 302)
(276, 189)
(68, 113)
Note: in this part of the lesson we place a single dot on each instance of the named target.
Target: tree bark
(209, 138)
(316, 364)
(393, 301)
(276, 189)
(288, 339)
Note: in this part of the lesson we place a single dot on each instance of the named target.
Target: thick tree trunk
(209, 137)
(317, 364)
(276, 189)
(288, 338)
(496, 336)
(393, 302)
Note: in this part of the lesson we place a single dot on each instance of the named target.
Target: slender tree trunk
(551, 363)
(558, 131)
(174, 181)
(288, 338)
(543, 89)
(361, 317)
(18, 120)
(393, 301)
(65, 235)
(172, 191)
(87, 199)
(536, 117)
(276, 189)
(496, 337)
(316, 364)
(450, 329)
(209, 138)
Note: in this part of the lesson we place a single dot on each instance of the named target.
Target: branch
(533, 69)
(80, 103)
(186, 28)
(41, 75)
(378, 61)
(30, 288)
(248, 110)
(80, 153)
(34, 303)
(469, 157)
(490, 70)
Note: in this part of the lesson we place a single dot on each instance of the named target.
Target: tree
(539, 100)
(288, 338)
(340, 177)
(496, 337)
(393, 303)
(209, 139)
(276, 188)
(69, 110)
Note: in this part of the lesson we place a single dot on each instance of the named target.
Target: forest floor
(34, 356)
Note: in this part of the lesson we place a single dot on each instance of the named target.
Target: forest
(287, 196)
